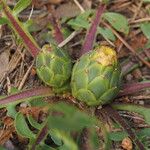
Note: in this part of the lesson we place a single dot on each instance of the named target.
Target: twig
(91, 34)
(141, 97)
(139, 20)
(137, 10)
(8, 85)
(12, 64)
(32, 8)
(80, 7)
(25, 77)
(69, 38)
(115, 115)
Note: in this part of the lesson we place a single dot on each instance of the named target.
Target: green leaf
(55, 139)
(80, 22)
(144, 136)
(145, 27)
(66, 32)
(11, 110)
(20, 6)
(43, 146)
(2, 148)
(22, 127)
(118, 21)
(34, 123)
(69, 118)
(144, 132)
(117, 136)
(1, 6)
(107, 33)
(69, 144)
(3, 21)
(94, 139)
(147, 45)
(85, 15)
(146, 1)
(38, 102)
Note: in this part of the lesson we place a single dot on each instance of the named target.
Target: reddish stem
(91, 34)
(133, 88)
(26, 37)
(40, 137)
(115, 115)
(22, 96)
(57, 31)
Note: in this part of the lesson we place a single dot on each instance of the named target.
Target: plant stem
(29, 42)
(42, 134)
(91, 34)
(143, 110)
(28, 94)
(57, 31)
(133, 88)
(115, 115)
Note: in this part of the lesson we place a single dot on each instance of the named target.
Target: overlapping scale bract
(54, 67)
(96, 81)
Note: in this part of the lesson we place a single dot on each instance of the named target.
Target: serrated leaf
(22, 127)
(20, 6)
(145, 27)
(118, 21)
